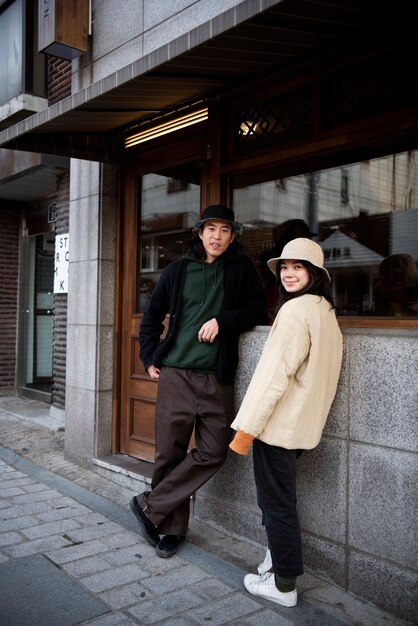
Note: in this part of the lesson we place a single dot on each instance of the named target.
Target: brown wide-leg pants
(185, 400)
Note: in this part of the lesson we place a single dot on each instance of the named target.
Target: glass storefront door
(38, 294)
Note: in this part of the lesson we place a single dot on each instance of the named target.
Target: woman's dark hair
(318, 285)
(195, 246)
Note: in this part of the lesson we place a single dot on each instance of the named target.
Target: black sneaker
(149, 530)
(168, 545)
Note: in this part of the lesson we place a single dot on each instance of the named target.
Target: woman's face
(293, 275)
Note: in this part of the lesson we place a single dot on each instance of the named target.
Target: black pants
(275, 478)
(186, 400)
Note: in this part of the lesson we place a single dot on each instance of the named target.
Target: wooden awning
(229, 51)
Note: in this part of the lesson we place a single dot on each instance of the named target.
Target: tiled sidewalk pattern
(74, 524)
(115, 563)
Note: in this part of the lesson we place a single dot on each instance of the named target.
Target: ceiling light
(248, 127)
(167, 127)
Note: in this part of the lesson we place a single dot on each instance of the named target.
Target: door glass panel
(44, 348)
(364, 216)
(170, 206)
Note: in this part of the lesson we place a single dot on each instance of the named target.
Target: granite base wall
(357, 491)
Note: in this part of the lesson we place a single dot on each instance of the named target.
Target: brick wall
(9, 283)
(59, 351)
(59, 79)
(59, 87)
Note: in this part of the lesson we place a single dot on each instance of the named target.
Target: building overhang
(225, 53)
(27, 177)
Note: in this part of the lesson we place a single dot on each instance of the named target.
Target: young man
(212, 295)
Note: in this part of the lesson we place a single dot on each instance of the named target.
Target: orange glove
(241, 443)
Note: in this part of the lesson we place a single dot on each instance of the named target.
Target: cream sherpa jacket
(292, 389)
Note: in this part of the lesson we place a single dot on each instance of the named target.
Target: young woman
(286, 406)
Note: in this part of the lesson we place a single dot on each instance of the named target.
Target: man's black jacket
(243, 307)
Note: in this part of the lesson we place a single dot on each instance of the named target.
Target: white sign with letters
(62, 254)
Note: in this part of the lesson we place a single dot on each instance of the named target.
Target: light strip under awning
(168, 127)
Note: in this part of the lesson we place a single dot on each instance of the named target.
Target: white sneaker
(266, 565)
(264, 586)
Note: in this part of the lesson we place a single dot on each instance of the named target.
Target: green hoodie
(201, 301)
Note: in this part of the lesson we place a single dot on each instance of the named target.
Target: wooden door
(160, 210)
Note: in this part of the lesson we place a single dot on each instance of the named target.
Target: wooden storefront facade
(353, 106)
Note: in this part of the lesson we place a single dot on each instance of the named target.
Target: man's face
(216, 236)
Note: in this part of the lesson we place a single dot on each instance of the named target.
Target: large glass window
(11, 53)
(22, 67)
(365, 217)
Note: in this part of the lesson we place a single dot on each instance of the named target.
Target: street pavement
(71, 551)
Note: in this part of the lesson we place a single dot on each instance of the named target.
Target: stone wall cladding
(9, 283)
(357, 490)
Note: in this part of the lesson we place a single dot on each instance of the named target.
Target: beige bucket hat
(301, 249)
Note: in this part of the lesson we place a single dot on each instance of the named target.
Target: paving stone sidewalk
(70, 555)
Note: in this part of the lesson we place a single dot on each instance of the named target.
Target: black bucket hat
(219, 212)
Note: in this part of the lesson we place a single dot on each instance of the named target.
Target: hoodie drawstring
(215, 280)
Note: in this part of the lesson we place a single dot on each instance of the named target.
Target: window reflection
(365, 217)
(169, 210)
(11, 51)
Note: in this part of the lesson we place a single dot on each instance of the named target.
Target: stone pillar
(89, 377)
